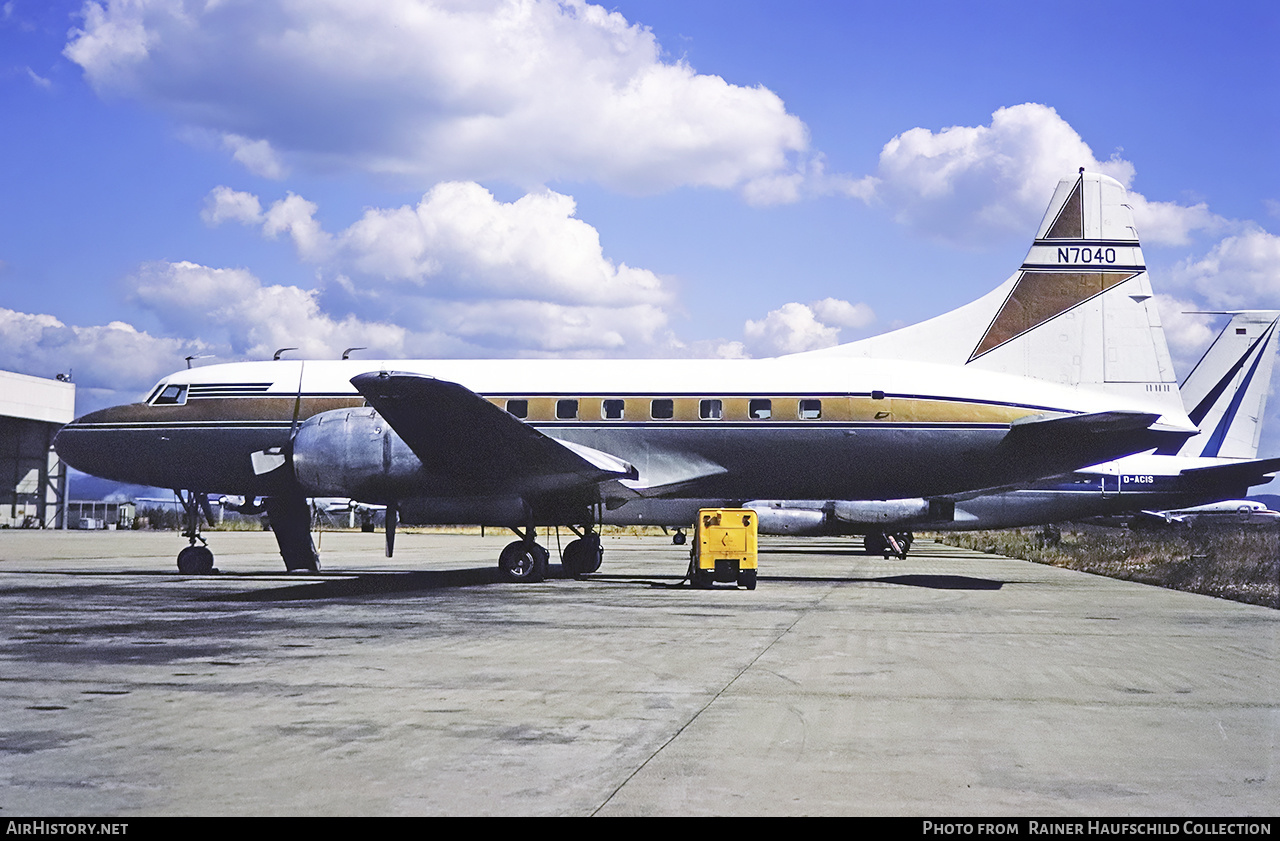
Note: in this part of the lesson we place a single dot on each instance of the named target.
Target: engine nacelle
(893, 512)
(355, 453)
(775, 518)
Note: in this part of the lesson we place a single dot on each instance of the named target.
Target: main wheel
(523, 562)
(195, 560)
(874, 543)
(583, 555)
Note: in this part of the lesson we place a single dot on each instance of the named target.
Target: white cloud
(796, 327)
(1243, 270)
(527, 91)
(461, 242)
(257, 156)
(38, 80)
(113, 359)
(232, 308)
(968, 184)
(840, 313)
(224, 204)
(1187, 331)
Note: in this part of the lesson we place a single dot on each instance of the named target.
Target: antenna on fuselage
(190, 358)
(346, 354)
(282, 350)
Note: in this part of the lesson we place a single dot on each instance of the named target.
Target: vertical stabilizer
(1226, 392)
(1079, 311)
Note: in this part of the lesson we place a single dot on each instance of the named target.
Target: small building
(33, 480)
(98, 514)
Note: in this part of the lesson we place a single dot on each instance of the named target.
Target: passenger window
(810, 409)
(760, 409)
(710, 409)
(662, 409)
(612, 409)
(171, 395)
(518, 408)
(566, 409)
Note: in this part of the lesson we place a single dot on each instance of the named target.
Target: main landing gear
(526, 560)
(896, 544)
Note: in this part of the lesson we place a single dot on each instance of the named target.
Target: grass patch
(1225, 562)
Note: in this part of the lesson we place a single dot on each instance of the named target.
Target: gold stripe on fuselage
(542, 408)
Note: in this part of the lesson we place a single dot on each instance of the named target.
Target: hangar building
(33, 481)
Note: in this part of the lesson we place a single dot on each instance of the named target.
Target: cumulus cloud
(459, 242)
(233, 309)
(1243, 270)
(1187, 330)
(968, 184)
(796, 327)
(527, 91)
(115, 359)
(224, 204)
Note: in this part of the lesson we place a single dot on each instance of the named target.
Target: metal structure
(34, 490)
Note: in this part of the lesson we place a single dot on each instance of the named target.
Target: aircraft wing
(477, 447)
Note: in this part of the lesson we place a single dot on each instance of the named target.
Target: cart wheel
(747, 579)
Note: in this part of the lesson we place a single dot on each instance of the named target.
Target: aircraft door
(1110, 486)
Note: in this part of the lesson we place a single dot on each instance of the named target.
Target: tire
(195, 560)
(583, 555)
(747, 579)
(874, 543)
(522, 562)
(678, 538)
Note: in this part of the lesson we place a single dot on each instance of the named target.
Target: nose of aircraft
(98, 443)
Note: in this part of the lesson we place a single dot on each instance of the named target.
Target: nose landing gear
(195, 560)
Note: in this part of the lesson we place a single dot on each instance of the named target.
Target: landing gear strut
(195, 560)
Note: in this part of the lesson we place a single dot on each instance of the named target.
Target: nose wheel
(195, 560)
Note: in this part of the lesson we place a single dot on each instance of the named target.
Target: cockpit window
(170, 395)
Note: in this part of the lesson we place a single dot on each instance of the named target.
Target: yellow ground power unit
(724, 547)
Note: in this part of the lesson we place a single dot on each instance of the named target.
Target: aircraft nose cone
(94, 444)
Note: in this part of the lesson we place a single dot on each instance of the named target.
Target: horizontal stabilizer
(474, 445)
(1249, 471)
(1067, 441)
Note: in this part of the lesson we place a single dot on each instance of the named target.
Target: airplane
(1225, 393)
(526, 443)
(1227, 512)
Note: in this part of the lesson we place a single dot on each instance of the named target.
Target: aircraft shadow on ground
(388, 583)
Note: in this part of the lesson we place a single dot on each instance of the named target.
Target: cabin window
(760, 409)
(612, 409)
(171, 395)
(518, 408)
(710, 409)
(810, 409)
(662, 409)
(566, 409)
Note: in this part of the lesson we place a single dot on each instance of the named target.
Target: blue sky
(644, 179)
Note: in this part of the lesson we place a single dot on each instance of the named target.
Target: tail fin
(1079, 311)
(1226, 392)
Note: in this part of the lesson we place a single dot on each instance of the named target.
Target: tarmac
(950, 683)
